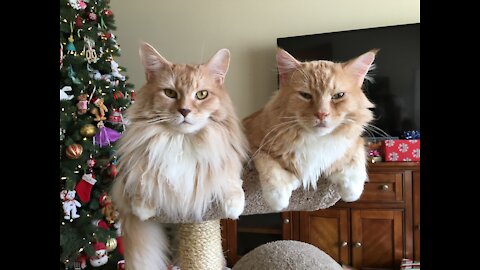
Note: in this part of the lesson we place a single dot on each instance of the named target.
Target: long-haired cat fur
(312, 127)
(183, 149)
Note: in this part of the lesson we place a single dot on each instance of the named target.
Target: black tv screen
(396, 87)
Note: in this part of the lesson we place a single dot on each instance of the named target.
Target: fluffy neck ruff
(179, 174)
(314, 155)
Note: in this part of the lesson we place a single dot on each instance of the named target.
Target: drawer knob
(384, 187)
(357, 244)
(344, 244)
(286, 221)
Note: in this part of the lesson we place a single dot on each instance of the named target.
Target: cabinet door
(377, 239)
(416, 215)
(248, 232)
(328, 230)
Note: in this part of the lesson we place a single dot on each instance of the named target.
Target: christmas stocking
(84, 188)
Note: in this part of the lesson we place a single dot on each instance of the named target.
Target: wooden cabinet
(328, 230)
(375, 232)
(248, 232)
(416, 215)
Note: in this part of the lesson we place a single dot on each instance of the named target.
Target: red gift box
(401, 150)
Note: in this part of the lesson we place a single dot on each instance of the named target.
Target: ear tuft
(360, 66)
(152, 60)
(219, 63)
(286, 62)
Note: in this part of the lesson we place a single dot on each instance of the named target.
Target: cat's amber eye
(338, 95)
(305, 95)
(170, 93)
(202, 94)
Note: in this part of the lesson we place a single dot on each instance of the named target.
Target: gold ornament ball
(111, 244)
(88, 130)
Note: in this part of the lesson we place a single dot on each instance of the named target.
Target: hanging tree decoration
(90, 52)
(77, 4)
(82, 104)
(116, 70)
(72, 75)
(70, 46)
(61, 55)
(101, 109)
(84, 187)
(64, 95)
(74, 151)
(69, 204)
(101, 255)
(92, 16)
(115, 117)
(105, 136)
(78, 21)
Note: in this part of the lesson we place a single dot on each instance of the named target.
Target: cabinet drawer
(383, 187)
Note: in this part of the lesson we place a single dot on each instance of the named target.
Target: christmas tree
(93, 96)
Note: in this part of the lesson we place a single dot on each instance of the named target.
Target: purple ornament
(105, 135)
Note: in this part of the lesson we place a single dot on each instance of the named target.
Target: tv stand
(375, 232)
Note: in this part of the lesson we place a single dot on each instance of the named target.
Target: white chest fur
(316, 154)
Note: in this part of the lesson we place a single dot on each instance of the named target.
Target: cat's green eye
(170, 93)
(338, 95)
(202, 94)
(305, 95)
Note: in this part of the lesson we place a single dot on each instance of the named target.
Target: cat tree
(200, 246)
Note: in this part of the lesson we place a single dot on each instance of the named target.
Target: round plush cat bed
(287, 255)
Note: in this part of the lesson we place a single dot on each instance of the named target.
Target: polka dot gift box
(401, 150)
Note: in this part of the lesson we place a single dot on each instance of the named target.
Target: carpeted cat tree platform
(200, 246)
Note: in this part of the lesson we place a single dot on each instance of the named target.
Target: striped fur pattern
(183, 150)
(311, 128)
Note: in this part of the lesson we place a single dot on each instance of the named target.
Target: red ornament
(112, 170)
(117, 95)
(100, 223)
(115, 117)
(121, 265)
(106, 36)
(78, 21)
(74, 151)
(107, 12)
(132, 96)
(92, 16)
(82, 260)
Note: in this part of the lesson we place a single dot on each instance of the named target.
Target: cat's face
(183, 97)
(321, 95)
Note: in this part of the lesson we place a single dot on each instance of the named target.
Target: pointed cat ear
(219, 63)
(152, 60)
(285, 63)
(360, 66)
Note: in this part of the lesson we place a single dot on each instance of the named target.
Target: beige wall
(191, 31)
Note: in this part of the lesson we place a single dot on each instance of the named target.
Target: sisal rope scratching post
(200, 246)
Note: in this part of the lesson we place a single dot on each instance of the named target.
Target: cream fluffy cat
(183, 149)
(311, 127)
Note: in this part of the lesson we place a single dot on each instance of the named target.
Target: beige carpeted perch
(200, 243)
(325, 196)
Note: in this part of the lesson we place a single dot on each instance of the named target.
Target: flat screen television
(396, 87)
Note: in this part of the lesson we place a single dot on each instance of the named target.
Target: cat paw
(277, 198)
(350, 193)
(350, 183)
(143, 213)
(234, 205)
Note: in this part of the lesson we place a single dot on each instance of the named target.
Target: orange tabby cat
(311, 127)
(182, 150)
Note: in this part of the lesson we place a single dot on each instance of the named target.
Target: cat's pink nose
(321, 115)
(184, 112)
